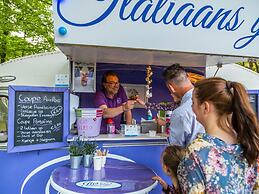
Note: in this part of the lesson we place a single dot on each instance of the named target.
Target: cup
(162, 128)
(103, 161)
(97, 162)
(152, 133)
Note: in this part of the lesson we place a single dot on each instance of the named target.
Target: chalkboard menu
(38, 118)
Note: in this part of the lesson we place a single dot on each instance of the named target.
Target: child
(170, 159)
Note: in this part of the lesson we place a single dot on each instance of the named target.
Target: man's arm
(113, 112)
(128, 116)
(179, 127)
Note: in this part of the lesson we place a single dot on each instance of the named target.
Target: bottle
(110, 126)
(149, 115)
(167, 119)
(168, 114)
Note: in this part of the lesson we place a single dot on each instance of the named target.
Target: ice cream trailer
(127, 36)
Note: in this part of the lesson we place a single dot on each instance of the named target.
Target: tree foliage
(251, 64)
(26, 28)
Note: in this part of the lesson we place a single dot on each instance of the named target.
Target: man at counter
(183, 124)
(113, 100)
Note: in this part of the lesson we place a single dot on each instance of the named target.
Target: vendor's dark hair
(108, 73)
(171, 157)
(231, 101)
(175, 73)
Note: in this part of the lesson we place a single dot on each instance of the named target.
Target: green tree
(251, 64)
(26, 28)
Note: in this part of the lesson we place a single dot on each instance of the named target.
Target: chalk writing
(38, 117)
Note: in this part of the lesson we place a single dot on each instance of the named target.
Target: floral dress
(213, 166)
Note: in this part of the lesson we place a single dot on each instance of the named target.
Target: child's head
(171, 157)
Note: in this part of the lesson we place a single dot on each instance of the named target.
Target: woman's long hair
(231, 101)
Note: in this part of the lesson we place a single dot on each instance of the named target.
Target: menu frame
(12, 148)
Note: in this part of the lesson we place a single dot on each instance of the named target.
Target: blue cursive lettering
(244, 41)
(224, 16)
(94, 22)
(133, 15)
(195, 21)
(164, 11)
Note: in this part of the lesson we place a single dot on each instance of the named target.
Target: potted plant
(88, 152)
(76, 154)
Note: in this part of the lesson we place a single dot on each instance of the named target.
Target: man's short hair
(108, 73)
(176, 74)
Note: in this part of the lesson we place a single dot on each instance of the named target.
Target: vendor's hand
(161, 122)
(161, 181)
(129, 105)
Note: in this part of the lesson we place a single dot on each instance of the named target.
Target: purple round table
(116, 177)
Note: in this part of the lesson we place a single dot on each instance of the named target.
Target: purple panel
(132, 177)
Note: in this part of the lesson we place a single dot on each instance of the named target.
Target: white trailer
(35, 70)
(235, 72)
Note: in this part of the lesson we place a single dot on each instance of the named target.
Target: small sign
(98, 184)
(62, 80)
(131, 130)
(38, 118)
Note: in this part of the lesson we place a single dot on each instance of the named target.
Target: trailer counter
(33, 169)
